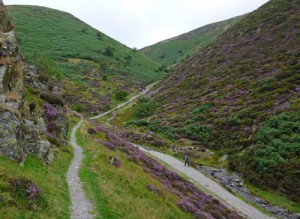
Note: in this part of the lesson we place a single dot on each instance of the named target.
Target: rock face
(11, 97)
(10, 135)
(24, 126)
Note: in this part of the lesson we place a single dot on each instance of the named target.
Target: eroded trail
(81, 207)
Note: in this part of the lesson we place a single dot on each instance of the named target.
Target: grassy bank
(122, 192)
(54, 201)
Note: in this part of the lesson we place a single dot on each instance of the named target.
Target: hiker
(186, 160)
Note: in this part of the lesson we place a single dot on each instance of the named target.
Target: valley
(90, 128)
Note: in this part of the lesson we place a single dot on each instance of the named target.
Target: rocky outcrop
(24, 125)
(234, 183)
(11, 97)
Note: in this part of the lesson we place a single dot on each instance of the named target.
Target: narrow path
(132, 99)
(209, 184)
(81, 206)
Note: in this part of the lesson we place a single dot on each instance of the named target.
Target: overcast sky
(139, 23)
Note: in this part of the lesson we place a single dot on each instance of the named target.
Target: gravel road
(213, 187)
(81, 207)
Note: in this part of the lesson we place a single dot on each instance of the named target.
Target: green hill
(240, 97)
(91, 62)
(178, 48)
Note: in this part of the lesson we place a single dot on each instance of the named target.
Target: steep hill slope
(97, 65)
(178, 48)
(240, 96)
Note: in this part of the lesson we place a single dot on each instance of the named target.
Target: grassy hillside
(239, 96)
(93, 64)
(35, 190)
(173, 50)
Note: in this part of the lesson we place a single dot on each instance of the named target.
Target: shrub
(120, 94)
(31, 108)
(109, 51)
(91, 131)
(104, 78)
(145, 107)
(272, 158)
(201, 109)
(79, 107)
(53, 138)
(52, 126)
(117, 162)
(50, 112)
(25, 191)
(53, 98)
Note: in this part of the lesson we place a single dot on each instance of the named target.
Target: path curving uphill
(131, 100)
(81, 207)
(218, 191)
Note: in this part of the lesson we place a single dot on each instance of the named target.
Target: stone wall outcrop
(24, 126)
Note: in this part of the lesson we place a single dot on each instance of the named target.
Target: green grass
(55, 201)
(58, 36)
(174, 50)
(275, 199)
(63, 47)
(223, 97)
(121, 192)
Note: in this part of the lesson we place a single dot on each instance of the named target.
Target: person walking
(186, 160)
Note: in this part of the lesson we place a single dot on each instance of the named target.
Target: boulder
(40, 148)
(41, 125)
(44, 147)
(10, 135)
(10, 41)
(2, 72)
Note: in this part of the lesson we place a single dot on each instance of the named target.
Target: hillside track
(81, 207)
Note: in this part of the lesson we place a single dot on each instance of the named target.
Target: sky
(140, 23)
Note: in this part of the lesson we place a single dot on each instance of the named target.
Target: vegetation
(120, 94)
(138, 176)
(174, 50)
(122, 192)
(35, 190)
(145, 107)
(275, 159)
(89, 64)
(240, 96)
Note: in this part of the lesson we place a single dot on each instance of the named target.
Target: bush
(50, 112)
(53, 98)
(79, 107)
(92, 131)
(201, 109)
(145, 107)
(280, 137)
(272, 161)
(120, 94)
(109, 51)
(26, 192)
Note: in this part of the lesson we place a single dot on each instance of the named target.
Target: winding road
(81, 207)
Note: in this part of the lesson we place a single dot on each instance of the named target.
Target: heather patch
(171, 181)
